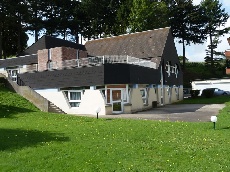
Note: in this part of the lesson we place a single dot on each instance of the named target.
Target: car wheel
(224, 93)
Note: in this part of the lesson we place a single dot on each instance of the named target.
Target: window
(144, 95)
(12, 73)
(167, 67)
(176, 69)
(74, 97)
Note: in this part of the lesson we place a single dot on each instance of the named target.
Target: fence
(99, 60)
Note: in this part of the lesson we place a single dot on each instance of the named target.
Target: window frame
(67, 94)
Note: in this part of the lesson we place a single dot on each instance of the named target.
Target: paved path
(178, 112)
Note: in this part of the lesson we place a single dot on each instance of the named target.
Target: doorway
(116, 96)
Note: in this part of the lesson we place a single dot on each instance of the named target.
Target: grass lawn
(31, 140)
(203, 100)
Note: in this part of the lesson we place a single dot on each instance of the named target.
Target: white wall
(91, 100)
(57, 98)
(152, 96)
(136, 99)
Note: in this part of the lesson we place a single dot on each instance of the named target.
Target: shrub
(194, 93)
(208, 93)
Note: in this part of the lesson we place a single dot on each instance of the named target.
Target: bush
(194, 93)
(207, 93)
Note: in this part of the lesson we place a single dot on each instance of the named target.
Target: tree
(214, 17)
(186, 23)
(99, 18)
(36, 10)
(13, 15)
(147, 15)
(122, 18)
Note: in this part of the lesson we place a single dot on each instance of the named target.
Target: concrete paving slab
(175, 112)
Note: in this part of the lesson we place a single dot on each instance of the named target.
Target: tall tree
(186, 23)
(36, 10)
(122, 18)
(215, 17)
(146, 15)
(100, 17)
(13, 15)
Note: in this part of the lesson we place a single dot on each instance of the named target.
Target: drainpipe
(77, 58)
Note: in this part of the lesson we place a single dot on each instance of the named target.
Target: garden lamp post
(98, 110)
(214, 119)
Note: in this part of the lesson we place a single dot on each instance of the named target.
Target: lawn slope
(36, 141)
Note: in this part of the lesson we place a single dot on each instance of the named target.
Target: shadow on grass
(11, 139)
(225, 128)
(9, 111)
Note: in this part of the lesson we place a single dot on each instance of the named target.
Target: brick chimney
(56, 56)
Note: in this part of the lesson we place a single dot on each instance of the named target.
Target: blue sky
(195, 53)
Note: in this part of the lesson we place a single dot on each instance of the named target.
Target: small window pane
(143, 93)
(75, 96)
(74, 104)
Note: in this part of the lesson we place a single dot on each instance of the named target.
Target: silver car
(219, 92)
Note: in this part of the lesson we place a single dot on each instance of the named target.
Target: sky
(194, 52)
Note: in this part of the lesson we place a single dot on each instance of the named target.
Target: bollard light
(214, 120)
(98, 110)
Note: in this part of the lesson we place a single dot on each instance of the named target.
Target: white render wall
(91, 100)
(152, 96)
(136, 100)
(56, 97)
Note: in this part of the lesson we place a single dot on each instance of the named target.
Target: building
(121, 74)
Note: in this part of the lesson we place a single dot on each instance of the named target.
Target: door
(116, 100)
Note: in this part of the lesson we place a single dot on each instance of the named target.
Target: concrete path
(178, 112)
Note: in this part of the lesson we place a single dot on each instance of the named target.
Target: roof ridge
(130, 34)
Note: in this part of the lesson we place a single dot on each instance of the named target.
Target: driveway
(178, 112)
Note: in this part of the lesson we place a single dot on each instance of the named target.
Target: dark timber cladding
(89, 76)
(130, 74)
(63, 78)
(170, 54)
(32, 59)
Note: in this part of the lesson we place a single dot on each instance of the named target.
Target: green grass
(203, 100)
(31, 140)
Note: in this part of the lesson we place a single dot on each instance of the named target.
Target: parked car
(218, 92)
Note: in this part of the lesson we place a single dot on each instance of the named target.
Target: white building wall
(181, 92)
(152, 96)
(91, 100)
(56, 97)
(166, 95)
(136, 100)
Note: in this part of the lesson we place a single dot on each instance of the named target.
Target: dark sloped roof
(141, 45)
(47, 42)
(23, 60)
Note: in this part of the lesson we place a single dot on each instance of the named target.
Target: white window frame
(12, 75)
(73, 101)
(144, 97)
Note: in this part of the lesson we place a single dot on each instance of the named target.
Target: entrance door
(116, 100)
